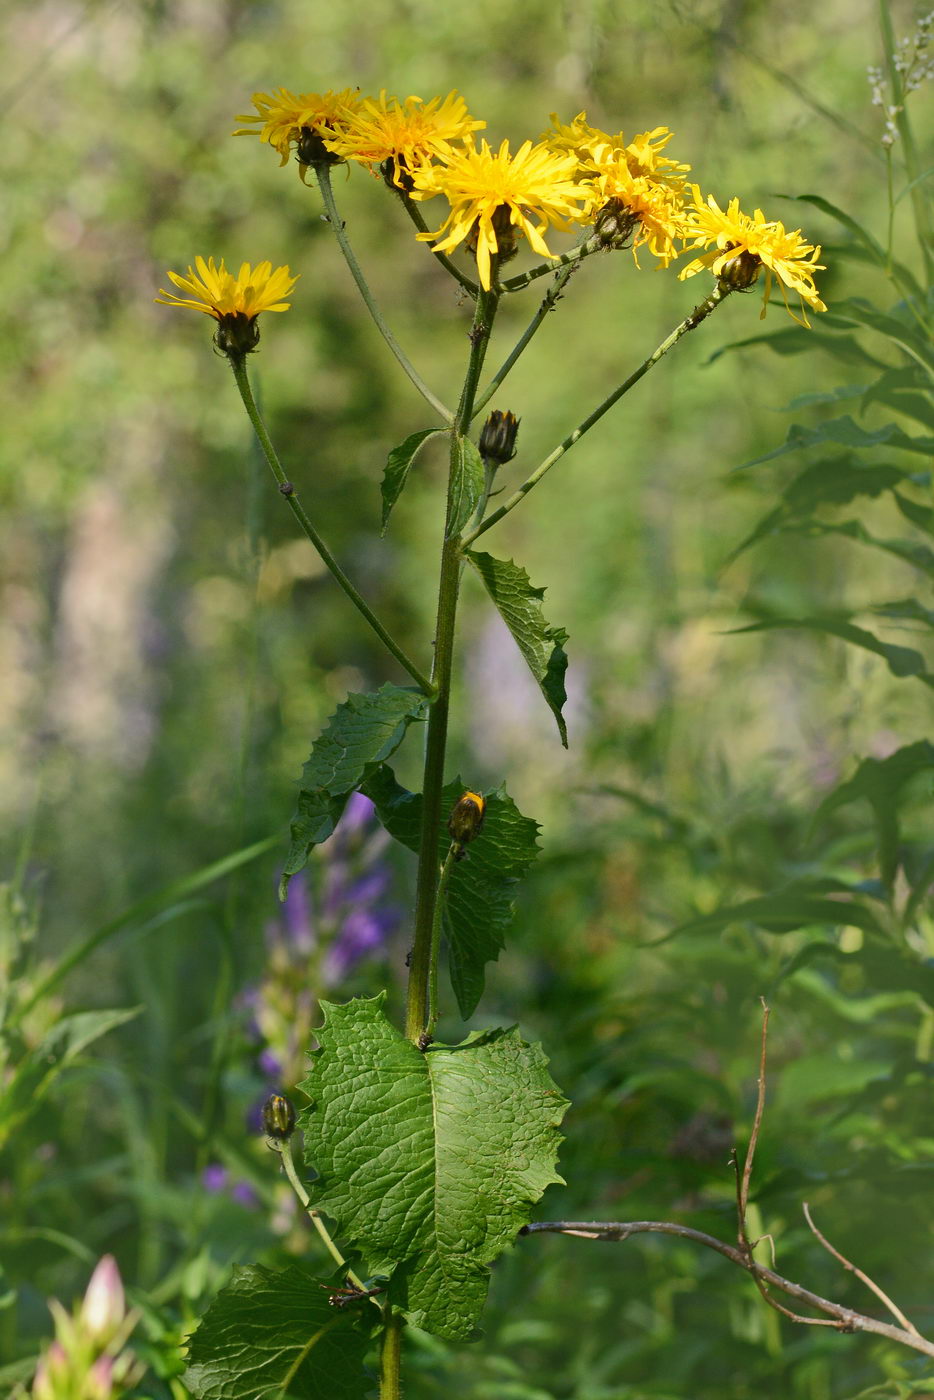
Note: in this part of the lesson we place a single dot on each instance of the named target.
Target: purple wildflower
(214, 1178)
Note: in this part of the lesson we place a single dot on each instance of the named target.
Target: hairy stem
(700, 313)
(288, 1164)
(390, 1357)
(583, 250)
(238, 365)
(548, 303)
(446, 869)
(337, 224)
(426, 890)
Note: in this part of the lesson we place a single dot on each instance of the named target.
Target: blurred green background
(169, 649)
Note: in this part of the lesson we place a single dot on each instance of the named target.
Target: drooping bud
(614, 224)
(498, 438)
(741, 272)
(466, 819)
(104, 1307)
(278, 1118)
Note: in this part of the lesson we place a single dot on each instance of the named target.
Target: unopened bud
(466, 819)
(498, 438)
(740, 272)
(278, 1118)
(99, 1384)
(104, 1307)
(614, 224)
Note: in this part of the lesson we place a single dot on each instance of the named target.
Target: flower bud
(466, 819)
(740, 272)
(278, 1118)
(614, 224)
(99, 1384)
(498, 438)
(104, 1307)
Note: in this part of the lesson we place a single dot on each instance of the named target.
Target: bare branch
(757, 1121)
(864, 1278)
(841, 1318)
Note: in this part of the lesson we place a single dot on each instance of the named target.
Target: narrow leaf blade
(364, 730)
(520, 607)
(901, 661)
(273, 1333)
(398, 465)
(429, 1162)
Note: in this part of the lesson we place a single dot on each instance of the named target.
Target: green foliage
(365, 730)
(273, 1332)
(398, 465)
(468, 478)
(428, 1161)
(479, 902)
(520, 607)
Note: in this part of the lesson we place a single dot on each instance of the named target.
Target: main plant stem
(390, 1357)
(426, 891)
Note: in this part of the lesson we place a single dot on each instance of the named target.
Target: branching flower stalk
(428, 1226)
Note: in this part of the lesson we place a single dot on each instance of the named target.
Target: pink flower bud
(104, 1306)
(99, 1382)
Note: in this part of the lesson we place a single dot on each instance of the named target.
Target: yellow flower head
(740, 245)
(408, 133)
(495, 197)
(626, 205)
(643, 155)
(288, 118)
(234, 302)
(577, 137)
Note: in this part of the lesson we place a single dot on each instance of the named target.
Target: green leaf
(429, 1161)
(795, 341)
(37, 1070)
(906, 609)
(911, 551)
(468, 480)
(901, 661)
(784, 912)
(857, 230)
(396, 473)
(273, 1333)
(846, 433)
(880, 781)
(905, 389)
(478, 907)
(899, 327)
(520, 607)
(922, 516)
(364, 730)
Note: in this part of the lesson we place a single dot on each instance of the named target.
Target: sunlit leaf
(520, 607)
(428, 1161)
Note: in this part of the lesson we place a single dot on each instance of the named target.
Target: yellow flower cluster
(625, 193)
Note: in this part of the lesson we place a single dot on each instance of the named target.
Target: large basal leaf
(468, 479)
(272, 1334)
(364, 730)
(880, 782)
(901, 661)
(429, 1161)
(520, 607)
(397, 469)
(478, 905)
